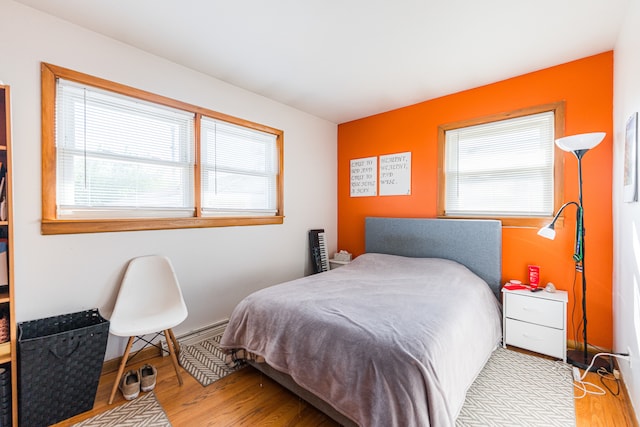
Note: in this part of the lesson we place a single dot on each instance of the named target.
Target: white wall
(626, 216)
(217, 267)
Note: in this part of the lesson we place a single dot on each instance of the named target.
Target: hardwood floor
(607, 410)
(248, 398)
(244, 398)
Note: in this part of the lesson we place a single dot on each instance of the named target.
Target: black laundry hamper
(5, 397)
(59, 364)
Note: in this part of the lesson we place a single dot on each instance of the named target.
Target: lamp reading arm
(549, 232)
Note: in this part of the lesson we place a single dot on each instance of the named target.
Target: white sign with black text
(395, 174)
(364, 174)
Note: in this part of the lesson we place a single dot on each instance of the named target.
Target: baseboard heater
(198, 335)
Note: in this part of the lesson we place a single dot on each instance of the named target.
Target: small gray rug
(205, 361)
(144, 411)
(516, 389)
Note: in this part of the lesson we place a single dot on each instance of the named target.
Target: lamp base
(577, 359)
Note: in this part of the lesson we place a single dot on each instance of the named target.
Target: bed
(396, 337)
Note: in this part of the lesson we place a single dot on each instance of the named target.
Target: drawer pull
(531, 337)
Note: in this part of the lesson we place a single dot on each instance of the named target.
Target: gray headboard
(477, 244)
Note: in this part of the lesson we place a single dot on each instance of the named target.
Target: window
(117, 158)
(121, 157)
(239, 169)
(502, 167)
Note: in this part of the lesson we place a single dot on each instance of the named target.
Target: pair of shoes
(133, 381)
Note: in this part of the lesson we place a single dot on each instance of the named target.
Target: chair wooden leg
(123, 363)
(174, 358)
(176, 344)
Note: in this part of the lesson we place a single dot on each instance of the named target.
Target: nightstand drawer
(541, 339)
(535, 310)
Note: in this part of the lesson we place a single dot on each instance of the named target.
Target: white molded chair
(149, 301)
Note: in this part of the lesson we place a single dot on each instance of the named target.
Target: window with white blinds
(121, 157)
(117, 158)
(502, 168)
(239, 169)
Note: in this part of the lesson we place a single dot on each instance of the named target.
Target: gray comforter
(386, 340)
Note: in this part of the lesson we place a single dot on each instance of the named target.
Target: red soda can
(534, 275)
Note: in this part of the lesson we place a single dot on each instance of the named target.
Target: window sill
(77, 226)
(517, 222)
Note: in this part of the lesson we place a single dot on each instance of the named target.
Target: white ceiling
(346, 59)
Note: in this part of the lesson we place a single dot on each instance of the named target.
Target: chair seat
(147, 323)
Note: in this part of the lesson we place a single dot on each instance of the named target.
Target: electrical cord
(579, 383)
(603, 374)
(618, 355)
(573, 309)
(606, 375)
(583, 385)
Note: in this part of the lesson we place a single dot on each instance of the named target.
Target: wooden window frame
(51, 224)
(558, 109)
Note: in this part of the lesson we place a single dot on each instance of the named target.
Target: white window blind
(118, 156)
(239, 170)
(501, 169)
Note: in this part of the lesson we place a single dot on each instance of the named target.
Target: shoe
(148, 375)
(130, 385)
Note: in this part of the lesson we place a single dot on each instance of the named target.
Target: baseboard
(112, 365)
(579, 345)
(198, 335)
(188, 338)
(623, 387)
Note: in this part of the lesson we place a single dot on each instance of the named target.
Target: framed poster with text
(364, 173)
(395, 174)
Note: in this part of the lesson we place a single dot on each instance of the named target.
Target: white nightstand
(535, 321)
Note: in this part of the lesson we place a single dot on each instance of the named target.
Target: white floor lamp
(578, 145)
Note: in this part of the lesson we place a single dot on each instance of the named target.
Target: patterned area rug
(205, 361)
(516, 389)
(142, 411)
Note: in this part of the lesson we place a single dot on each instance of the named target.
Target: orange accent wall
(586, 86)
